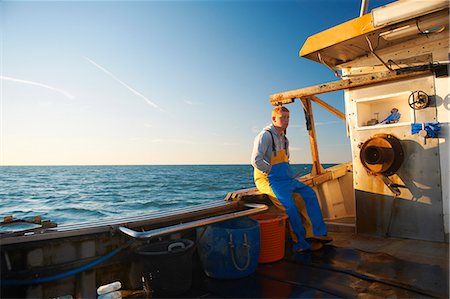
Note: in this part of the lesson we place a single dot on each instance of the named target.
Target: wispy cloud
(317, 124)
(257, 129)
(44, 103)
(325, 123)
(147, 125)
(137, 93)
(136, 138)
(192, 103)
(179, 141)
(34, 83)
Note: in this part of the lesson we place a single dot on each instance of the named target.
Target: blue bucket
(230, 249)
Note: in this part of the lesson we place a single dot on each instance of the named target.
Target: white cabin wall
(442, 86)
(422, 50)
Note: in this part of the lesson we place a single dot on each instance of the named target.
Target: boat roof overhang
(383, 27)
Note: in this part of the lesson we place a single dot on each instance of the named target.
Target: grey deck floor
(353, 266)
(433, 253)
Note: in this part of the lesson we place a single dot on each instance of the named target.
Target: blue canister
(229, 249)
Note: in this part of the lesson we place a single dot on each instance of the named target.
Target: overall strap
(273, 141)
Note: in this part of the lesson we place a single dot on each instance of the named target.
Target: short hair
(279, 110)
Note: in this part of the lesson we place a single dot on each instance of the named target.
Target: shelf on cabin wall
(380, 126)
(379, 107)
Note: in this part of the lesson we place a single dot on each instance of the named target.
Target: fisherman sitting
(273, 176)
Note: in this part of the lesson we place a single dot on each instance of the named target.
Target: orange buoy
(272, 230)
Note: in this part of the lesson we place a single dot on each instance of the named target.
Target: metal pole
(157, 232)
(364, 7)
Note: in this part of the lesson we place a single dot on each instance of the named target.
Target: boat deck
(353, 266)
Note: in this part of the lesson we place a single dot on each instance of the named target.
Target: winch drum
(382, 154)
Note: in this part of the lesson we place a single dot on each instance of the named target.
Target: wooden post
(307, 109)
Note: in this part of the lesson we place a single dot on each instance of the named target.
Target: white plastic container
(108, 288)
(111, 295)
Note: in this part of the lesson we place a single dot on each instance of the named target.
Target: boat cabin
(393, 64)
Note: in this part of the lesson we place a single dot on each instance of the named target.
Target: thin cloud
(317, 124)
(45, 104)
(179, 141)
(257, 129)
(230, 143)
(123, 83)
(136, 138)
(192, 103)
(34, 83)
(325, 123)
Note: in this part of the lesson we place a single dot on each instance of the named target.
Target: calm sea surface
(73, 194)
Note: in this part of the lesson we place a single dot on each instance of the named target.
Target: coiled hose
(15, 282)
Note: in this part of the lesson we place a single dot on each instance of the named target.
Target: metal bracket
(391, 185)
(376, 55)
(328, 66)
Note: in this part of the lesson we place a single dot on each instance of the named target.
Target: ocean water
(74, 194)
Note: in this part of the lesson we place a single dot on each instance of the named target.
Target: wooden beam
(327, 107)
(289, 96)
(307, 108)
(336, 172)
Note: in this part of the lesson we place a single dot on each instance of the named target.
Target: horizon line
(187, 164)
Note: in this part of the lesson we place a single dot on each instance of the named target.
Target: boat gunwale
(111, 226)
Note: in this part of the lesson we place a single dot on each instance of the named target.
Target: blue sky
(153, 82)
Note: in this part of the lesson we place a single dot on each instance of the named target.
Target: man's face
(281, 121)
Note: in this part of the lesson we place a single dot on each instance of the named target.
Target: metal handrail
(255, 208)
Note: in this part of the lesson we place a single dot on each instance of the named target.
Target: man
(273, 176)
